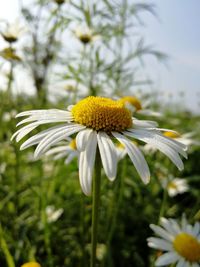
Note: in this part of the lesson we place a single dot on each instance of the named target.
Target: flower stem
(5, 249)
(95, 208)
(163, 205)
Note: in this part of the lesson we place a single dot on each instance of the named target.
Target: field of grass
(29, 188)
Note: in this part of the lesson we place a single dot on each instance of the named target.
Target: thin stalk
(115, 206)
(82, 216)
(5, 249)
(46, 227)
(163, 205)
(82, 58)
(95, 208)
(10, 80)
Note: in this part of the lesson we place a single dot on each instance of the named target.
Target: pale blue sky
(177, 33)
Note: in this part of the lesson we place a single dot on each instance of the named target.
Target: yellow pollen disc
(85, 38)
(102, 114)
(172, 134)
(187, 246)
(72, 144)
(171, 185)
(131, 100)
(31, 264)
(120, 146)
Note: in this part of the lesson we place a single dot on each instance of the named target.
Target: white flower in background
(68, 151)
(3, 167)
(52, 214)
(186, 139)
(181, 243)
(13, 32)
(120, 150)
(135, 105)
(96, 121)
(10, 54)
(7, 116)
(69, 89)
(175, 186)
(86, 35)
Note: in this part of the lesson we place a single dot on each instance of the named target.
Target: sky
(175, 32)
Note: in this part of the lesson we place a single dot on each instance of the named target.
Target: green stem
(80, 71)
(163, 205)
(5, 249)
(82, 216)
(10, 80)
(115, 206)
(95, 208)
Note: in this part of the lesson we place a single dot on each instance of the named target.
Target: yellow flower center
(72, 144)
(171, 134)
(102, 114)
(31, 264)
(120, 146)
(171, 185)
(59, 2)
(85, 38)
(187, 246)
(9, 54)
(131, 100)
(9, 38)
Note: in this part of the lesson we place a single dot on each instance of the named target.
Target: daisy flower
(175, 186)
(9, 53)
(68, 151)
(12, 32)
(186, 138)
(180, 242)
(86, 35)
(135, 105)
(97, 121)
(52, 214)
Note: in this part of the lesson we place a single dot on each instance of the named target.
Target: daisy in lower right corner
(180, 242)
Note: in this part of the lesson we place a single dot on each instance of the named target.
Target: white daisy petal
(38, 137)
(86, 164)
(175, 226)
(108, 155)
(144, 123)
(163, 147)
(136, 157)
(58, 149)
(167, 225)
(181, 263)
(195, 265)
(53, 138)
(41, 113)
(49, 115)
(61, 155)
(24, 131)
(159, 243)
(149, 112)
(82, 139)
(167, 258)
(161, 232)
(196, 229)
(71, 156)
(157, 137)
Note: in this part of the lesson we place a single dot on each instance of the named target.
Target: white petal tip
(112, 178)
